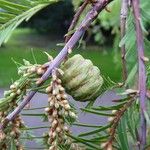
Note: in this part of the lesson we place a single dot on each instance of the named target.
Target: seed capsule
(81, 78)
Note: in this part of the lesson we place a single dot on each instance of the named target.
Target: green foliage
(13, 13)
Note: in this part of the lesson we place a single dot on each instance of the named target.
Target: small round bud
(64, 96)
(12, 87)
(54, 77)
(32, 69)
(40, 71)
(54, 134)
(103, 145)
(55, 113)
(51, 103)
(55, 92)
(67, 107)
(7, 93)
(69, 51)
(114, 111)
(54, 123)
(66, 113)
(68, 141)
(12, 94)
(52, 148)
(60, 112)
(110, 119)
(66, 128)
(56, 105)
(61, 72)
(12, 133)
(49, 99)
(58, 129)
(26, 74)
(47, 109)
(58, 96)
(20, 72)
(59, 81)
(48, 89)
(61, 89)
(72, 114)
(50, 133)
(18, 92)
(65, 102)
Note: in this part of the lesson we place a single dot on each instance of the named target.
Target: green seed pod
(81, 78)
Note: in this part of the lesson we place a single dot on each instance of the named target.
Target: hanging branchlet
(13, 131)
(114, 121)
(58, 111)
(17, 124)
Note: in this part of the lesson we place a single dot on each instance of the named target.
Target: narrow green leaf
(82, 141)
(32, 115)
(86, 125)
(122, 134)
(131, 75)
(95, 131)
(147, 117)
(96, 112)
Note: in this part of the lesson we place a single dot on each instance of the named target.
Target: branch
(89, 18)
(76, 18)
(116, 121)
(123, 20)
(142, 70)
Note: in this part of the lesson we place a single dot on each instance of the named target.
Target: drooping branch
(89, 18)
(141, 70)
(123, 18)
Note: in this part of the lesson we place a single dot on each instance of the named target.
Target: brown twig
(115, 123)
(89, 18)
(123, 18)
(76, 18)
(141, 70)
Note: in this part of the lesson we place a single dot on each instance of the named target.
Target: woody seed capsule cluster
(57, 110)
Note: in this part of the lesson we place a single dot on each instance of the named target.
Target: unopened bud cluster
(31, 70)
(13, 132)
(16, 132)
(57, 110)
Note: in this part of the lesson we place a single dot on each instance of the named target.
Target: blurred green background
(25, 41)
